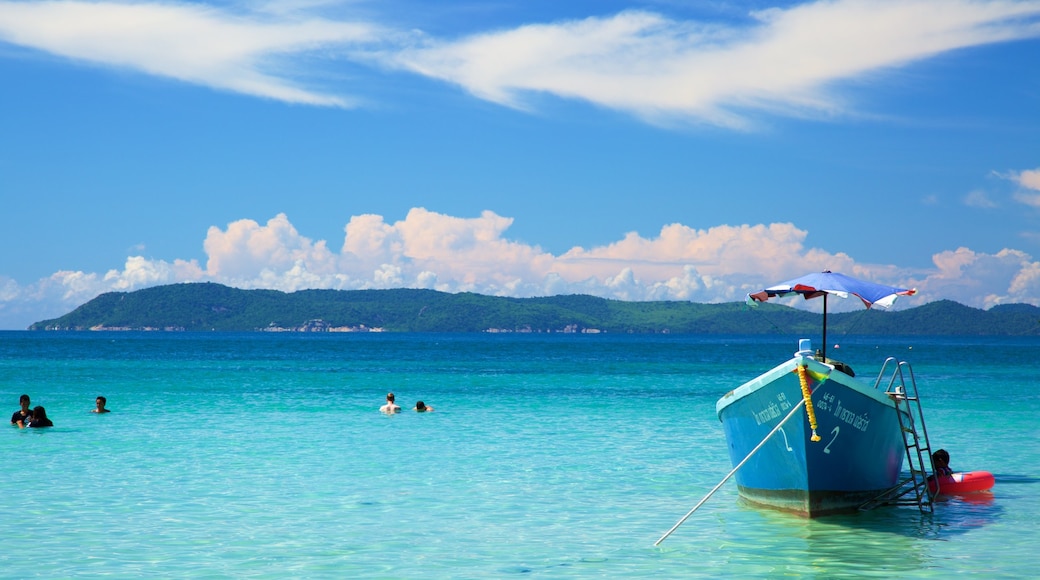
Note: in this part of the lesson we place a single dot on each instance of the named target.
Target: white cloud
(64, 290)
(470, 251)
(1030, 199)
(141, 273)
(788, 61)
(658, 68)
(760, 250)
(247, 252)
(983, 280)
(1029, 182)
(8, 290)
(1029, 179)
(431, 250)
(979, 199)
(188, 42)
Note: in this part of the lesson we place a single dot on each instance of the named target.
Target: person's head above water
(421, 407)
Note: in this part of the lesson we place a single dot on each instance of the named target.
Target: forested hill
(209, 307)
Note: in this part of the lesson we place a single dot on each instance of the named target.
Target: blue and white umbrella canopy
(827, 283)
(824, 283)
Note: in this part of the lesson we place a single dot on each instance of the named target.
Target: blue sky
(632, 150)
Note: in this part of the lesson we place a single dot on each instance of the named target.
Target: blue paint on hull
(859, 456)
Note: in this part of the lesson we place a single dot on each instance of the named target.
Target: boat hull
(859, 455)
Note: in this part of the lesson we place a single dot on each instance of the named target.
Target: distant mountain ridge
(214, 307)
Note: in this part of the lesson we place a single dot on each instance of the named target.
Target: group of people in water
(36, 417)
(391, 407)
(28, 417)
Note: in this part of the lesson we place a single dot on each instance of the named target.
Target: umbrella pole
(824, 327)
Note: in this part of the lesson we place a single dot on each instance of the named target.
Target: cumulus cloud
(188, 42)
(247, 254)
(789, 60)
(1009, 276)
(781, 61)
(760, 250)
(64, 290)
(141, 273)
(1029, 179)
(1028, 182)
(431, 250)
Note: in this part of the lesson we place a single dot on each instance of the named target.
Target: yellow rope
(807, 395)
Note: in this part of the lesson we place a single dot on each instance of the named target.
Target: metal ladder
(912, 490)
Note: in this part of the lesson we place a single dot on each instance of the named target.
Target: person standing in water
(421, 407)
(22, 416)
(390, 407)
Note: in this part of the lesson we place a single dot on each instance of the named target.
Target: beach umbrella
(826, 283)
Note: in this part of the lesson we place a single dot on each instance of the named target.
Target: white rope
(730, 474)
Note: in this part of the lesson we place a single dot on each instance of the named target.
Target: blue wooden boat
(809, 437)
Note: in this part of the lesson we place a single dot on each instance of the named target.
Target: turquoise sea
(551, 456)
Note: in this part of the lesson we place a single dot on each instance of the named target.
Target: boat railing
(884, 368)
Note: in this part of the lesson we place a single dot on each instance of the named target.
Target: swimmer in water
(100, 408)
(390, 407)
(39, 419)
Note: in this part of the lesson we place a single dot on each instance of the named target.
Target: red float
(965, 482)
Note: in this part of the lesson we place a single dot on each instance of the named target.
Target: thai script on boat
(773, 411)
(825, 402)
(861, 422)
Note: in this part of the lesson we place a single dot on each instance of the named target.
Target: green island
(214, 307)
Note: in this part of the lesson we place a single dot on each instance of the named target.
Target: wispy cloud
(788, 61)
(187, 42)
(979, 199)
(660, 69)
(1027, 198)
(454, 254)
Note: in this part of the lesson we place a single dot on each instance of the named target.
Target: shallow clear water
(557, 456)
